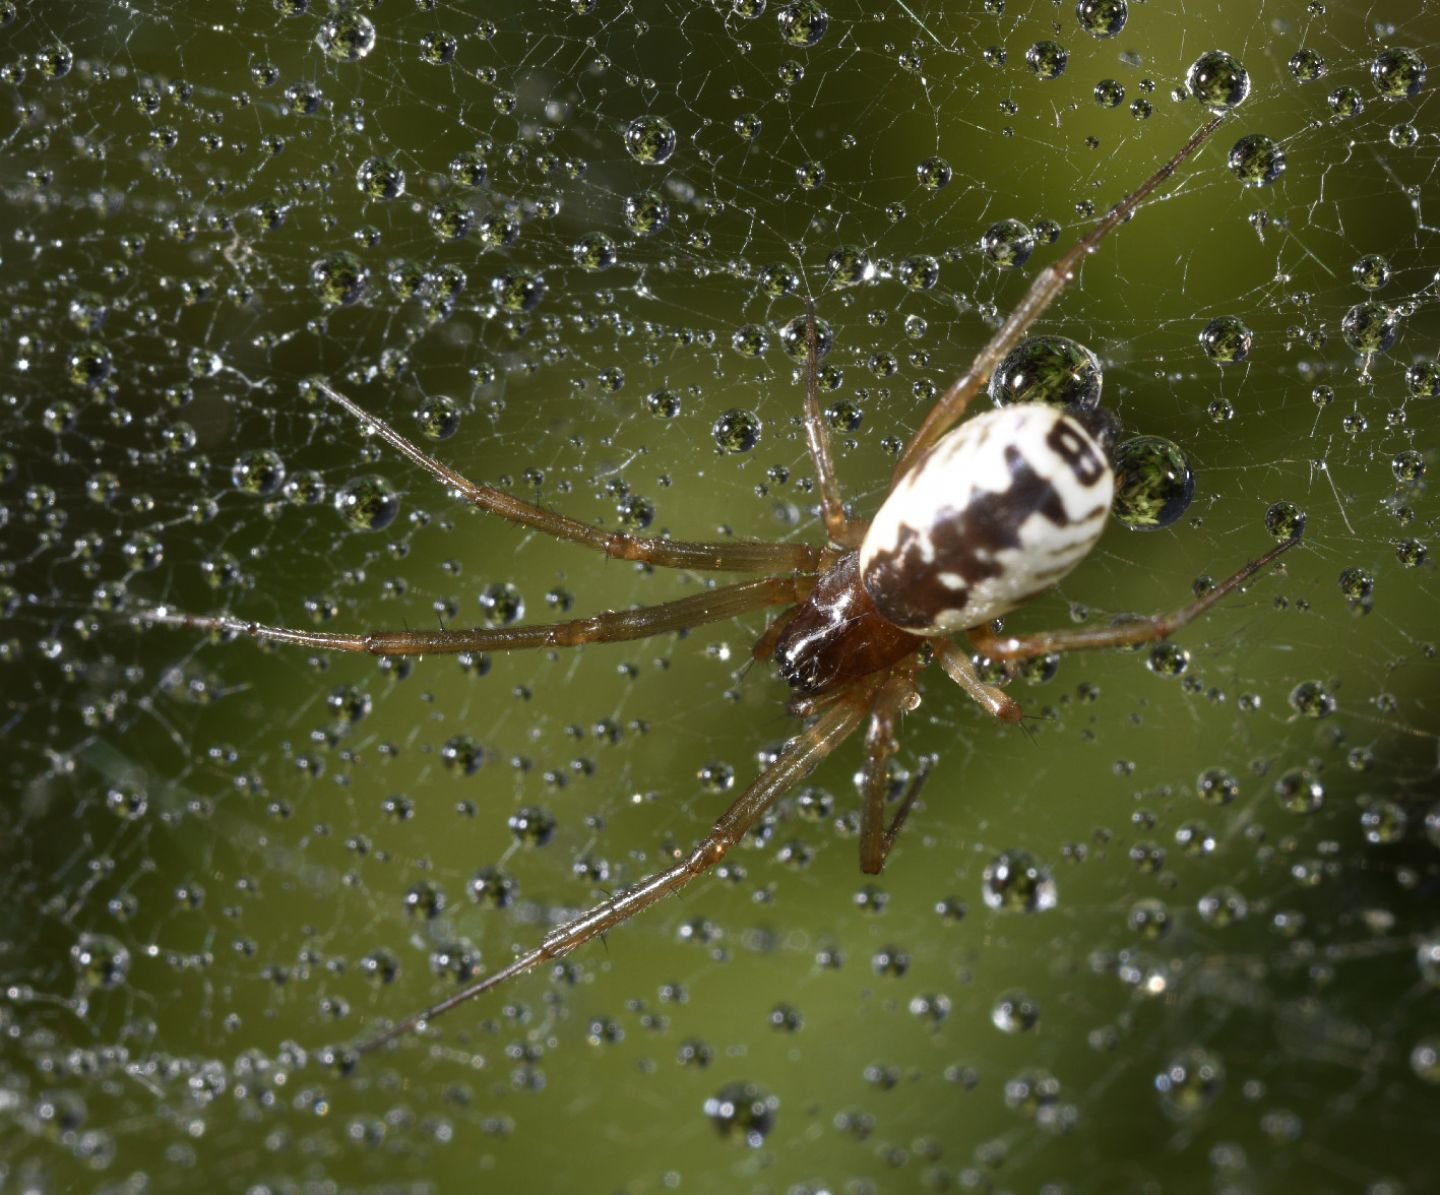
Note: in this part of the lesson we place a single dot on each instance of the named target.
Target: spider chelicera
(977, 520)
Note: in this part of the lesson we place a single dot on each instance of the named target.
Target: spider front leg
(737, 556)
(796, 760)
(842, 532)
(1001, 648)
(1047, 285)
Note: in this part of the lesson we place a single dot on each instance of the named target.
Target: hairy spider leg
(610, 627)
(842, 532)
(1048, 284)
(748, 556)
(961, 669)
(1001, 648)
(795, 761)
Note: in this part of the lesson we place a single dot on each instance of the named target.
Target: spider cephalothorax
(981, 516)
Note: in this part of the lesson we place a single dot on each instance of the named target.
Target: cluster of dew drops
(1154, 480)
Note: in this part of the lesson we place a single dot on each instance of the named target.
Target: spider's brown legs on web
(746, 556)
(1048, 283)
(832, 506)
(610, 627)
(799, 756)
(896, 696)
(1125, 634)
(958, 667)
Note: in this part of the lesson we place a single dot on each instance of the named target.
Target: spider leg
(1124, 634)
(1043, 291)
(611, 627)
(832, 507)
(799, 756)
(738, 556)
(958, 667)
(897, 695)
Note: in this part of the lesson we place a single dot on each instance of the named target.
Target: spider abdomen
(1001, 508)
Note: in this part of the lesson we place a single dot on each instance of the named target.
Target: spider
(979, 518)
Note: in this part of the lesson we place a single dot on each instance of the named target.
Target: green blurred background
(215, 854)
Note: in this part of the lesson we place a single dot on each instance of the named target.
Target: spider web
(220, 858)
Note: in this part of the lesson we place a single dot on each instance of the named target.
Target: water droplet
(1311, 699)
(380, 178)
(1190, 1082)
(646, 213)
(1284, 520)
(339, 278)
(795, 338)
(1383, 823)
(1047, 59)
(1425, 1059)
(920, 272)
(462, 754)
(1398, 73)
(468, 169)
(259, 471)
(650, 139)
(518, 289)
(1149, 918)
(492, 888)
(1218, 81)
(1168, 660)
(54, 61)
(594, 251)
(1307, 66)
(1223, 906)
(1015, 881)
(439, 49)
(743, 1111)
(533, 825)
(849, 265)
(1423, 380)
(346, 38)
(1109, 93)
(1217, 786)
(750, 340)
(438, 417)
(1153, 483)
(736, 431)
(100, 960)
(1411, 553)
(501, 604)
(1102, 18)
(1014, 1012)
(1048, 369)
(1226, 339)
(1257, 160)
(934, 173)
(1372, 272)
(367, 503)
(1007, 244)
(380, 966)
(1408, 466)
(128, 802)
(1370, 327)
(1299, 791)
(90, 365)
(803, 23)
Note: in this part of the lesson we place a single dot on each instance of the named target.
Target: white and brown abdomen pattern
(1002, 507)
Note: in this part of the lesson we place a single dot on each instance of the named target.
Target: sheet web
(222, 858)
